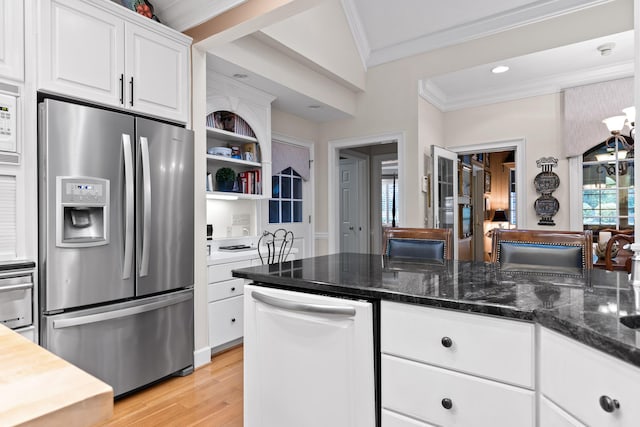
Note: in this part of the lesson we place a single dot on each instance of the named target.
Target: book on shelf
(209, 186)
(250, 182)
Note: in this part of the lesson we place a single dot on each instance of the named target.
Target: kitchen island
(548, 314)
(40, 389)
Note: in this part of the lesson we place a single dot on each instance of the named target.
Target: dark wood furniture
(553, 251)
(622, 260)
(419, 243)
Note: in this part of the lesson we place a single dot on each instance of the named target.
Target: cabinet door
(225, 321)
(552, 415)
(12, 39)
(158, 66)
(582, 380)
(80, 51)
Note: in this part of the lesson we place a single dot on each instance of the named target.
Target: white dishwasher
(308, 360)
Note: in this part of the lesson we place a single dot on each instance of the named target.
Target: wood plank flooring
(211, 396)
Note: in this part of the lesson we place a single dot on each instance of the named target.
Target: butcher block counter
(40, 389)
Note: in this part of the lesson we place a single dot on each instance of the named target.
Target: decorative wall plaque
(546, 182)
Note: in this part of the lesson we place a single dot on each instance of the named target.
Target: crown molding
(553, 84)
(357, 30)
(536, 12)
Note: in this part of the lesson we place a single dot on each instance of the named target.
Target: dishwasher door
(127, 345)
(308, 360)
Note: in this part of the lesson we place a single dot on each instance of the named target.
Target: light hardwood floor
(211, 396)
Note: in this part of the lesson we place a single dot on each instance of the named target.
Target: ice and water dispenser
(82, 205)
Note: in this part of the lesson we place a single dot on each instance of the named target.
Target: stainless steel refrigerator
(115, 243)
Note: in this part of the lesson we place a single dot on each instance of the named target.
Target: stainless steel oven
(16, 296)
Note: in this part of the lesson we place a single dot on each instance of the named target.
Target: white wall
(431, 132)
(539, 121)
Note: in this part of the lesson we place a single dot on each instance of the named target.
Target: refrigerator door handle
(300, 306)
(117, 314)
(146, 182)
(129, 208)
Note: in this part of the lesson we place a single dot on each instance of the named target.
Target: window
(285, 205)
(608, 187)
(389, 195)
(512, 197)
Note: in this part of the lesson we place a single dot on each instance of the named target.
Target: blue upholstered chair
(540, 250)
(434, 244)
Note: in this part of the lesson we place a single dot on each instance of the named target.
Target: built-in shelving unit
(229, 130)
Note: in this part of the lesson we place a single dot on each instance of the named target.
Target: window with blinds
(389, 194)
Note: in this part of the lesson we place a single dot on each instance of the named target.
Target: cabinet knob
(233, 289)
(233, 320)
(609, 404)
(447, 403)
(446, 342)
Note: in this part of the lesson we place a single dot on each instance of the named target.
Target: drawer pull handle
(446, 342)
(447, 403)
(609, 404)
(233, 289)
(233, 320)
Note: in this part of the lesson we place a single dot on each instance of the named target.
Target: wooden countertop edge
(41, 389)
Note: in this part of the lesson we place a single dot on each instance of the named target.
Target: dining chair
(418, 243)
(274, 247)
(621, 259)
(542, 250)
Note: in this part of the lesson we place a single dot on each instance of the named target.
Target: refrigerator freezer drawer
(126, 345)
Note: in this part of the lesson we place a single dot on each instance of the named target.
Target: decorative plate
(546, 182)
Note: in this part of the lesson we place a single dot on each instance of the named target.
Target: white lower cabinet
(225, 312)
(552, 415)
(392, 419)
(451, 368)
(592, 387)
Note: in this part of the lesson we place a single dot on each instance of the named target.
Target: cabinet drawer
(552, 415)
(226, 289)
(391, 419)
(225, 321)
(575, 377)
(419, 390)
(220, 272)
(486, 346)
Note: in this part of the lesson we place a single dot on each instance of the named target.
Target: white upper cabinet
(12, 39)
(103, 53)
(157, 69)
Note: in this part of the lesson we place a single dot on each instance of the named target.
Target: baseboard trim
(201, 357)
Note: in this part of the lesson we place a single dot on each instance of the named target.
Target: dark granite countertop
(586, 307)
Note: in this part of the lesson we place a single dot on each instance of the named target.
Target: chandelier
(619, 146)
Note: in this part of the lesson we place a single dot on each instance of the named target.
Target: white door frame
(518, 145)
(333, 185)
(375, 201)
(310, 246)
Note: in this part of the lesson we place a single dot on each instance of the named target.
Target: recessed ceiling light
(313, 107)
(240, 76)
(500, 69)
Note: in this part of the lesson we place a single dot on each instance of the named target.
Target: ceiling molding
(184, 14)
(553, 84)
(357, 30)
(494, 24)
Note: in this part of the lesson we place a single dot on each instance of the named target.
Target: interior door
(350, 226)
(164, 207)
(445, 191)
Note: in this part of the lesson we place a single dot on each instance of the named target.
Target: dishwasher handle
(302, 306)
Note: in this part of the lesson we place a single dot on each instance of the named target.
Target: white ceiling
(384, 31)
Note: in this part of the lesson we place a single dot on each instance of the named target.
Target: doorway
(494, 181)
(371, 147)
